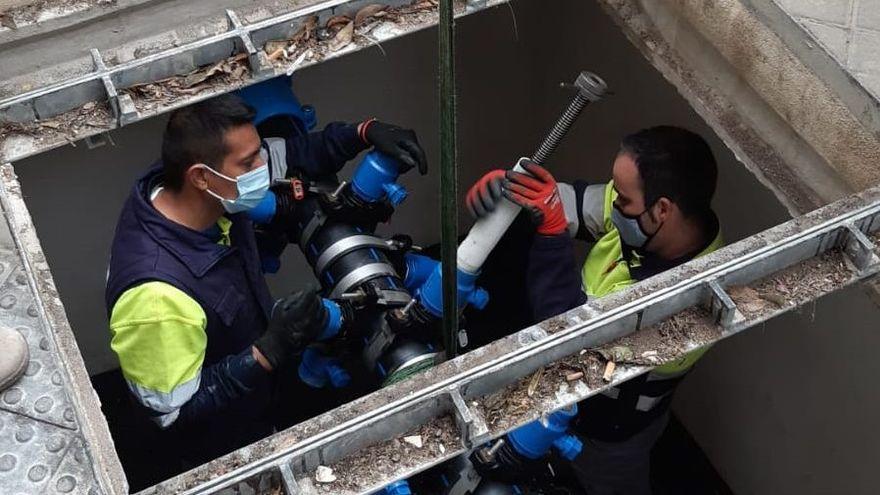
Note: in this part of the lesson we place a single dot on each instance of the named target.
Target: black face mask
(630, 229)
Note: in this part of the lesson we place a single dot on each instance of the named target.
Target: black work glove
(400, 144)
(296, 321)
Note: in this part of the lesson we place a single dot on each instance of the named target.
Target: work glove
(400, 144)
(484, 195)
(537, 193)
(296, 321)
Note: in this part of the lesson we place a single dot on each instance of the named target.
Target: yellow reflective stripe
(225, 224)
(610, 196)
(158, 333)
(681, 364)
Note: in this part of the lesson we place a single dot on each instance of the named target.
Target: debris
(377, 462)
(343, 38)
(577, 375)
(324, 475)
(274, 46)
(231, 72)
(230, 66)
(414, 440)
(793, 286)
(775, 298)
(442, 448)
(307, 31)
(533, 383)
(609, 371)
(618, 353)
(368, 12)
(70, 125)
(336, 21)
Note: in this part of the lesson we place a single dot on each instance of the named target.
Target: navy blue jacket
(231, 407)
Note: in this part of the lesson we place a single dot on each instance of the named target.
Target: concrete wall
(791, 407)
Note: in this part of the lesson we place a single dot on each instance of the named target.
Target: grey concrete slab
(868, 14)
(848, 29)
(53, 438)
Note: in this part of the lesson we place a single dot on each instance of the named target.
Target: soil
(374, 464)
(660, 343)
(793, 286)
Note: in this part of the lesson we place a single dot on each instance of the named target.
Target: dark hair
(195, 134)
(676, 164)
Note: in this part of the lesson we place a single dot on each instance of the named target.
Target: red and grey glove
(538, 194)
(484, 195)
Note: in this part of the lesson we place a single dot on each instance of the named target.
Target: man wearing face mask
(191, 318)
(654, 215)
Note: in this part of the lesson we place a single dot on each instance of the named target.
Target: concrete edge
(810, 105)
(71, 20)
(736, 112)
(810, 52)
(104, 462)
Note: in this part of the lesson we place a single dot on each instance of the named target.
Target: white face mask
(251, 186)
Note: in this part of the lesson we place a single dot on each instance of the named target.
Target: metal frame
(104, 83)
(450, 387)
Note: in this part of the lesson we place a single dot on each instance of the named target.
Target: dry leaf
(274, 45)
(343, 38)
(618, 353)
(307, 30)
(367, 12)
(337, 20)
(533, 383)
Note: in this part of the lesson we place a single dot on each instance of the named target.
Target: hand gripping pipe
(487, 231)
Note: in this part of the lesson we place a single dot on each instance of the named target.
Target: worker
(653, 215)
(192, 322)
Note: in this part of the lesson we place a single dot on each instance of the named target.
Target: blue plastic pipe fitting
(418, 269)
(535, 439)
(431, 292)
(397, 488)
(374, 179)
(334, 320)
(265, 209)
(317, 370)
(275, 97)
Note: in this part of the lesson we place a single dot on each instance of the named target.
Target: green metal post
(448, 178)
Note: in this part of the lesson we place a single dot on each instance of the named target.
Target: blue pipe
(397, 488)
(275, 97)
(317, 370)
(334, 320)
(374, 179)
(431, 292)
(534, 440)
(418, 269)
(265, 209)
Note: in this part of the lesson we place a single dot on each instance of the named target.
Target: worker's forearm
(325, 152)
(552, 277)
(228, 380)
